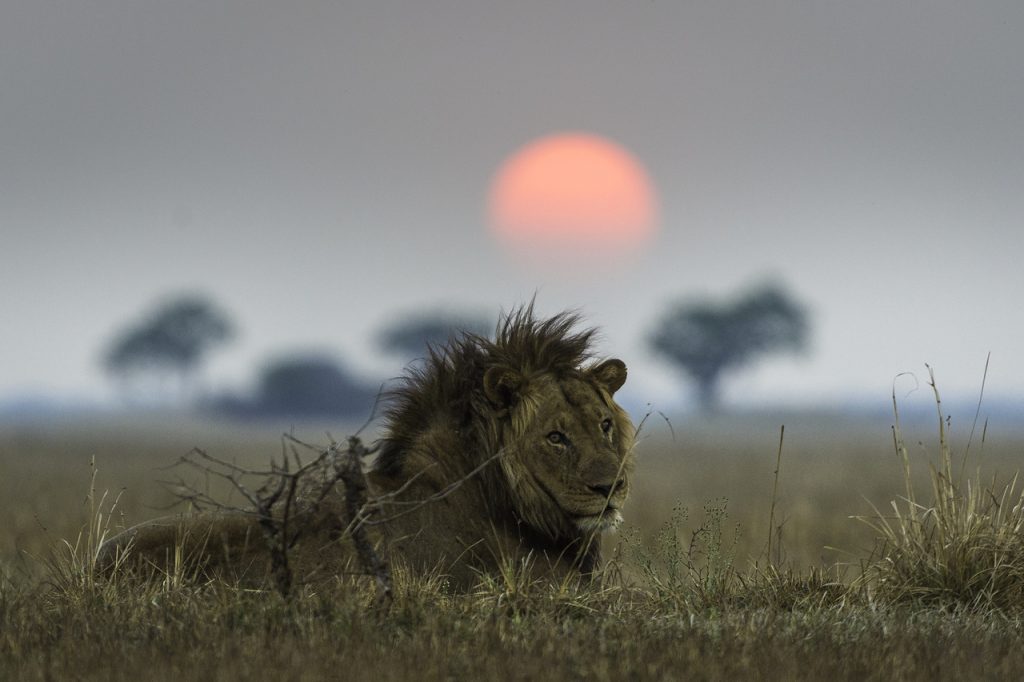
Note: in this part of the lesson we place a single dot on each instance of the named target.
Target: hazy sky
(319, 167)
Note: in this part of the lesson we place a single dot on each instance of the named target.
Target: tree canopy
(173, 339)
(409, 336)
(705, 339)
(311, 385)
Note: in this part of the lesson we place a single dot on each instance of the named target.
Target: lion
(526, 428)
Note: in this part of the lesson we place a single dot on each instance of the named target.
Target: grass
(962, 545)
(526, 631)
(928, 590)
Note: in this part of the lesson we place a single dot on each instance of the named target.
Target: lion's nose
(608, 489)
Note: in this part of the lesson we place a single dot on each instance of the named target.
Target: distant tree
(410, 336)
(313, 386)
(173, 340)
(705, 339)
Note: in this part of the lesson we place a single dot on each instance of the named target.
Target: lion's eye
(557, 438)
(606, 425)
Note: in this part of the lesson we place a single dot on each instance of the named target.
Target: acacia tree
(312, 385)
(410, 336)
(705, 339)
(172, 341)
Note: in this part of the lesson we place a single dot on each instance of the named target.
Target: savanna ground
(691, 592)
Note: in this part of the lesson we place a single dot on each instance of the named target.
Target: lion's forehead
(576, 397)
(582, 394)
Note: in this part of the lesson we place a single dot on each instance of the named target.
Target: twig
(389, 498)
(647, 415)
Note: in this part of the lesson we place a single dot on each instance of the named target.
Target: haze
(321, 167)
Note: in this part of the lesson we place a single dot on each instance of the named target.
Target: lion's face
(570, 456)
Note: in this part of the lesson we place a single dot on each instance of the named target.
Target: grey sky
(319, 167)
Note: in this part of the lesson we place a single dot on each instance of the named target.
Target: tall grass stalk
(775, 494)
(73, 566)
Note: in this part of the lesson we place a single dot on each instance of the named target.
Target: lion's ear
(611, 374)
(501, 386)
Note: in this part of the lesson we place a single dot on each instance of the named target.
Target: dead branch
(293, 491)
(350, 470)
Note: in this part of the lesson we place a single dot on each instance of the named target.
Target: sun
(572, 191)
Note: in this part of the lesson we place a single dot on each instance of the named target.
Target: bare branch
(350, 470)
(291, 493)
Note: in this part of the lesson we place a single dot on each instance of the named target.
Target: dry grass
(219, 633)
(691, 593)
(962, 545)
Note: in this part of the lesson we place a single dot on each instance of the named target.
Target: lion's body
(504, 452)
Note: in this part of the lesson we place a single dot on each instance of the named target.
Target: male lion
(526, 421)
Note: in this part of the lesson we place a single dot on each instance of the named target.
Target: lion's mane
(448, 387)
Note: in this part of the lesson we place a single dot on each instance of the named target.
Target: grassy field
(691, 592)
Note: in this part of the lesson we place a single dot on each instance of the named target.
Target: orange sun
(572, 191)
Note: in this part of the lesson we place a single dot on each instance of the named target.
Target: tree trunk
(707, 394)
